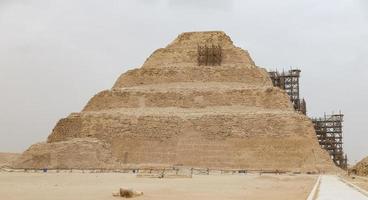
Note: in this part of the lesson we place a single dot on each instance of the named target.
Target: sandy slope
(93, 186)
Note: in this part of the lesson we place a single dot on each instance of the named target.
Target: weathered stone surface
(75, 153)
(127, 193)
(187, 95)
(173, 112)
(182, 52)
(6, 159)
(203, 74)
(361, 168)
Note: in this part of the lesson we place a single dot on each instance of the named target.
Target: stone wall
(203, 74)
(238, 140)
(66, 128)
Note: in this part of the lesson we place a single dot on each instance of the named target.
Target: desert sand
(359, 181)
(100, 186)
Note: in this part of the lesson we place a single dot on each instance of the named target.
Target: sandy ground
(361, 182)
(93, 186)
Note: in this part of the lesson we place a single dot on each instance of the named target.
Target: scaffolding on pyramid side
(328, 128)
(289, 81)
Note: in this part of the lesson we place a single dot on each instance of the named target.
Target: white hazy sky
(55, 55)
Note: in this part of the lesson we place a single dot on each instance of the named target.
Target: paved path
(332, 188)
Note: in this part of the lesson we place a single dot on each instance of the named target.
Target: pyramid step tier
(147, 76)
(184, 51)
(188, 95)
(231, 137)
(238, 121)
(182, 57)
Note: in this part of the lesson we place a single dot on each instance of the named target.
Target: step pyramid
(200, 102)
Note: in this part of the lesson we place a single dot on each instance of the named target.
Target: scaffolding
(329, 135)
(289, 81)
(328, 128)
(209, 55)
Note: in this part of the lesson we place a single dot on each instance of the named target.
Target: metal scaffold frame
(329, 135)
(289, 81)
(328, 128)
(209, 55)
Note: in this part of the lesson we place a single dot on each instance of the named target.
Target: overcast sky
(55, 55)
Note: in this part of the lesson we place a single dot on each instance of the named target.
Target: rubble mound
(76, 153)
(361, 168)
(7, 159)
(200, 102)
